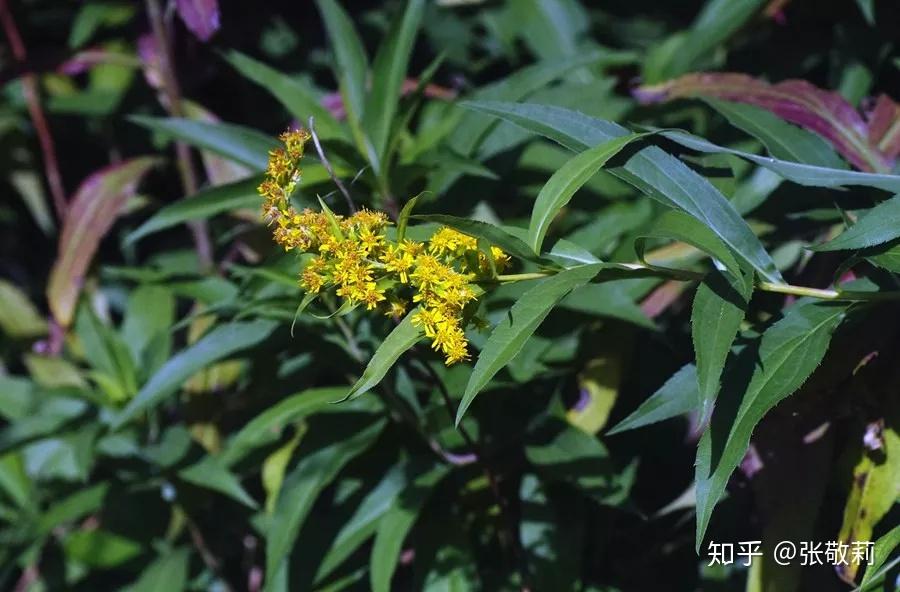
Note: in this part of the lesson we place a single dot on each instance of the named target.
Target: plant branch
(172, 94)
(36, 112)
(211, 561)
(327, 164)
(686, 275)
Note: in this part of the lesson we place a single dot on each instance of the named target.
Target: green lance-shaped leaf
(802, 174)
(238, 143)
(396, 524)
(204, 204)
(557, 192)
(781, 139)
(675, 397)
(169, 572)
(350, 57)
(676, 225)
(365, 519)
(388, 73)
(519, 324)
(556, 449)
(784, 357)
(298, 98)
(653, 171)
(878, 225)
(267, 426)
(218, 344)
(404, 336)
(719, 307)
(884, 548)
(403, 218)
(212, 474)
(300, 490)
(73, 507)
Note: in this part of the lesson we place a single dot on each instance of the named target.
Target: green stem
(843, 295)
(521, 277)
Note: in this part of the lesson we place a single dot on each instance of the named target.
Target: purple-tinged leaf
(200, 16)
(91, 214)
(797, 101)
(884, 126)
(83, 61)
(148, 52)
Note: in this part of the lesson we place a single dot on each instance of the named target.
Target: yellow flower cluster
(355, 257)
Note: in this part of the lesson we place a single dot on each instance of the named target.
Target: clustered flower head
(355, 257)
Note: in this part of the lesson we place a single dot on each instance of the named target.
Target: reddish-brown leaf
(91, 214)
(825, 112)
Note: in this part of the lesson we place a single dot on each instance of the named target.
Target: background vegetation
(716, 258)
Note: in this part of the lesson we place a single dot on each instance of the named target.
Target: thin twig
(328, 167)
(212, 563)
(172, 102)
(36, 112)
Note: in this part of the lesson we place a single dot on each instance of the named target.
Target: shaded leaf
(551, 537)
(240, 144)
(219, 343)
(679, 226)
(205, 204)
(508, 337)
(100, 548)
(351, 63)
(676, 397)
(365, 519)
(781, 139)
(168, 573)
(299, 100)
(267, 426)
(300, 490)
(396, 524)
(211, 473)
(563, 453)
(878, 225)
(388, 73)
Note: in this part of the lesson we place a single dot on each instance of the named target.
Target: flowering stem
(327, 164)
(685, 275)
(521, 277)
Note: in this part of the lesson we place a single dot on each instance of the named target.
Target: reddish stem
(36, 112)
